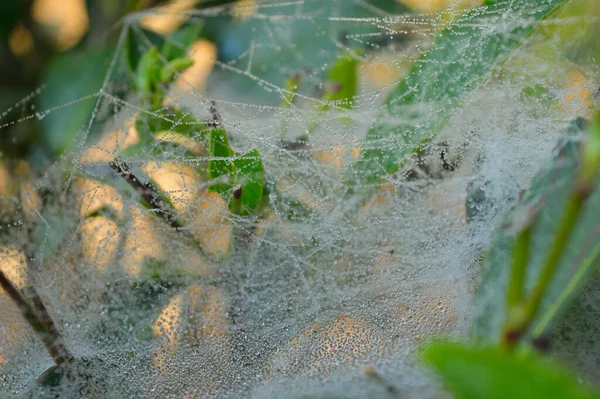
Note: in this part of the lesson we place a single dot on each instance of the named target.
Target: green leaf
(159, 149)
(240, 179)
(457, 63)
(137, 44)
(220, 171)
(131, 51)
(148, 71)
(178, 44)
(71, 82)
(250, 176)
(475, 373)
(173, 120)
(170, 71)
(148, 125)
(342, 81)
(291, 85)
(545, 201)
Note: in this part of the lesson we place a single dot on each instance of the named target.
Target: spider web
(328, 303)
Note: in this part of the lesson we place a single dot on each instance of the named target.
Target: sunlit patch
(66, 21)
(20, 41)
(383, 72)
(14, 331)
(32, 202)
(211, 222)
(5, 180)
(94, 196)
(204, 54)
(195, 315)
(206, 313)
(206, 211)
(166, 327)
(100, 238)
(431, 310)
(347, 340)
(344, 341)
(14, 265)
(141, 241)
(578, 97)
(335, 158)
(166, 19)
(105, 149)
(244, 9)
(178, 181)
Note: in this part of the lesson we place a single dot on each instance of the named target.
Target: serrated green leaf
(240, 179)
(457, 63)
(178, 44)
(546, 197)
(475, 373)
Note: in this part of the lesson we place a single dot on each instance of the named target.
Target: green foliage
(291, 85)
(341, 86)
(153, 69)
(148, 125)
(542, 205)
(71, 79)
(457, 63)
(238, 178)
(474, 373)
(136, 44)
(177, 45)
(171, 48)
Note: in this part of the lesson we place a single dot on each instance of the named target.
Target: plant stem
(41, 323)
(521, 314)
(593, 259)
(569, 219)
(514, 297)
(519, 266)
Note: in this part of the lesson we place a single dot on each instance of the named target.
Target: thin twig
(46, 320)
(152, 196)
(147, 191)
(41, 323)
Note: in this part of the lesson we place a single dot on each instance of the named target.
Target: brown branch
(152, 196)
(41, 323)
(147, 191)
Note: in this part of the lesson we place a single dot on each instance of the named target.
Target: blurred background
(53, 52)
